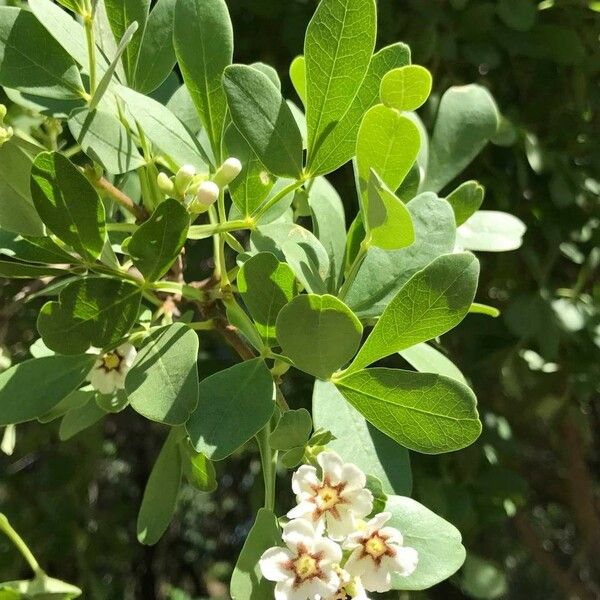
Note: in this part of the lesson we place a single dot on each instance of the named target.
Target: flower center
(376, 547)
(111, 361)
(328, 497)
(306, 566)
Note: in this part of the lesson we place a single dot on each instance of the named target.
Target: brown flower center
(306, 566)
(328, 497)
(376, 547)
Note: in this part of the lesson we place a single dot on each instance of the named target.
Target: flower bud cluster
(330, 551)
(197, 190)
(6, 132)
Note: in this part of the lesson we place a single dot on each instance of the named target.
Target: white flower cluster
(332, 553)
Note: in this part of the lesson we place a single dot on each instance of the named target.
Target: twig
(139, 212)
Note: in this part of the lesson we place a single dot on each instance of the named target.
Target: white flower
(110, 370)
(307, 568)
(227, 172)
(377, 553)
(337, 500)
(350, 588)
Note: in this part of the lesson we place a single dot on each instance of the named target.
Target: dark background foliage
(526, 495)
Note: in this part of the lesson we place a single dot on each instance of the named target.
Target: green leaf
(517, 14)
(204, 47)
(235, 404)
(491, 231)
(266, 286)
(34, 249)
(298, 77)
(424, 412)
(198, 470)
(427, 359)
(252, 186)
(389, 222)
(182, 106)
(121, 15)
(359, 442)
(292, 430)
(15, 270)
(31, 60)
(384, 272)
(393, 159)
(162, 384)
(160, 495)
(41, 587)
(466, 120)
(340, 145)
(269, 71)
(76, 399)
(32, 388)
(104, 139)
(68, 204)
(157, 54)
(339, 43)
(264, 119)
(438, 543)
(156, 244)
(406, 88)
(299, 248)
(68, 32)
(17, 212)
(163, 129)
(247, 582)
(431, 303)
(329, 226)
(319, 334)
(466, 200)
(95, 311)
(79, 419)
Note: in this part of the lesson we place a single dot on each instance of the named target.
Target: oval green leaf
(319, 334)
(406, 88)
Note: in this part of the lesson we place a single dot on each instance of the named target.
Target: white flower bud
(5, 134)
(207, 195)
(2, 113)
(184, 178)
(165, 185)
(227, 172)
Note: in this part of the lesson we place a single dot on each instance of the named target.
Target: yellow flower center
(111, 361)
(306, 566)
(329, 497)
(376, 547)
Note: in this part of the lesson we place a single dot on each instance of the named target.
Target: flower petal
(405, 561)
(304, 481)
(299, 533)
(376, 579)
(345, 523)
(273, 564)
(392, 535)
(357, 564)
(331, 463)
(304, 510)
(378, 521)
(360, 501)
(353, 476)
(332, 552)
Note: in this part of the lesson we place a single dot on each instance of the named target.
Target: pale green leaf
(95, 311)
(491, 231)
(431, 303)
(31, 60)
(358, 442)
(162, 384)
(264, 119)
(266, 286)
(319, 334)
(339, 43)
(34, 387)
(160, 494)
(16, 270)
(466, 120)
(156, 244)
(292, 430)
(298, 77)
(426, 359)
(424, 412)
(235, 404)
(438, 543)
(465, 200)
(247, 582)
(79, 419)
(406, 88)
(203, 40)
(68, 204)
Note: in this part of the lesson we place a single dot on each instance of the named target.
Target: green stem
(91, 47)
(202, 325)
(222, 220)
(288, 189)
(268, 458)
(121, 227)
(20, 544)
(354, 269)
(199, 232)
